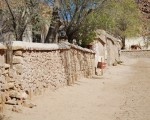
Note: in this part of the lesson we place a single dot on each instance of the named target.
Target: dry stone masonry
(37, 67)
(136, 53)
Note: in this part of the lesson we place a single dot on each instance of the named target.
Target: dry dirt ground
(123, 93)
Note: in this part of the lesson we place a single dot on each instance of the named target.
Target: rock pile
(12, 92)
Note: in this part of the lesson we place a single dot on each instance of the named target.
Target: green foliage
(87, 29)
(18, 14)
(78, 16)
(121, 17)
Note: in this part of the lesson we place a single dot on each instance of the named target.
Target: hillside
(144, 6)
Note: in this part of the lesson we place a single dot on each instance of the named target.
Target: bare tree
(1, 23)
(19, 14)
(18, 19)
(75, 13)
(55, 24)
(72, 13)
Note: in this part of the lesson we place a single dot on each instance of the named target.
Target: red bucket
(101, 65)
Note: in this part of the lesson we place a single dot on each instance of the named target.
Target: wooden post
(30, 93)
(102, 66)
(2, 104)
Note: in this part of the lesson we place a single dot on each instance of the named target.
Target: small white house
(136, 41)
(106, 48)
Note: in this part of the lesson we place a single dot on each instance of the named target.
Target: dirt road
(123, 93)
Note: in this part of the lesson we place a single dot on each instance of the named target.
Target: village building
(107, 48)
(140, 41)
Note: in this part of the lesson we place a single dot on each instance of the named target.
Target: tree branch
(13, 18)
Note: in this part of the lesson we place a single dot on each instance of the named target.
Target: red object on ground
(89, 47)
(101, 65)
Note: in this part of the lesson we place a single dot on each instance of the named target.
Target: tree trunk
(123, 42)
(71, 34)
(70, 38)
(54, 27)
(1, 25)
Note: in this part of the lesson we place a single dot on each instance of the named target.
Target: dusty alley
(123, 93)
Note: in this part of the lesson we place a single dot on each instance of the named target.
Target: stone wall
(37, 67)
(80, 64)
(113, 48)
(4, 73)
(136, 53)
(2, 66)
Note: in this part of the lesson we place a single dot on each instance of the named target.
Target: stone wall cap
(2, 47)
(135, 50)
(20, 45)
(79, 48)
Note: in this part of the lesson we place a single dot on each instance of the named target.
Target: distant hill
(144, 6)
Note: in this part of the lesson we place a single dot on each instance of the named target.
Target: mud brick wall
(78, 63)
(38, 66)
(136, 53)
(5, 77)
(3, 66)
(37, 69)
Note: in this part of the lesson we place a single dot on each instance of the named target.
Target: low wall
(38, 66)
(136, 53)
(2, 65)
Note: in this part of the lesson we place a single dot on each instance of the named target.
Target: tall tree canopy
(18, 14)
(78, 18)
(74, 14)
(121, 18)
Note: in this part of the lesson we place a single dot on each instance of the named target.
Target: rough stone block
(13, 94)
(7, 78)
(18, 53)
(5, 71)
(6, 66)
(2, 79)
(1, 64)
(11, 102)
(23, 95)
(1, 71)
(18, 68)
(4, 87)
(17, 60)
(11, 73)
(29, 105)
(11, 85)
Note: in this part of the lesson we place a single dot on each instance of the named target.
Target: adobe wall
(38, 66)
(3, 67)
(136, 53)
(112, 52)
